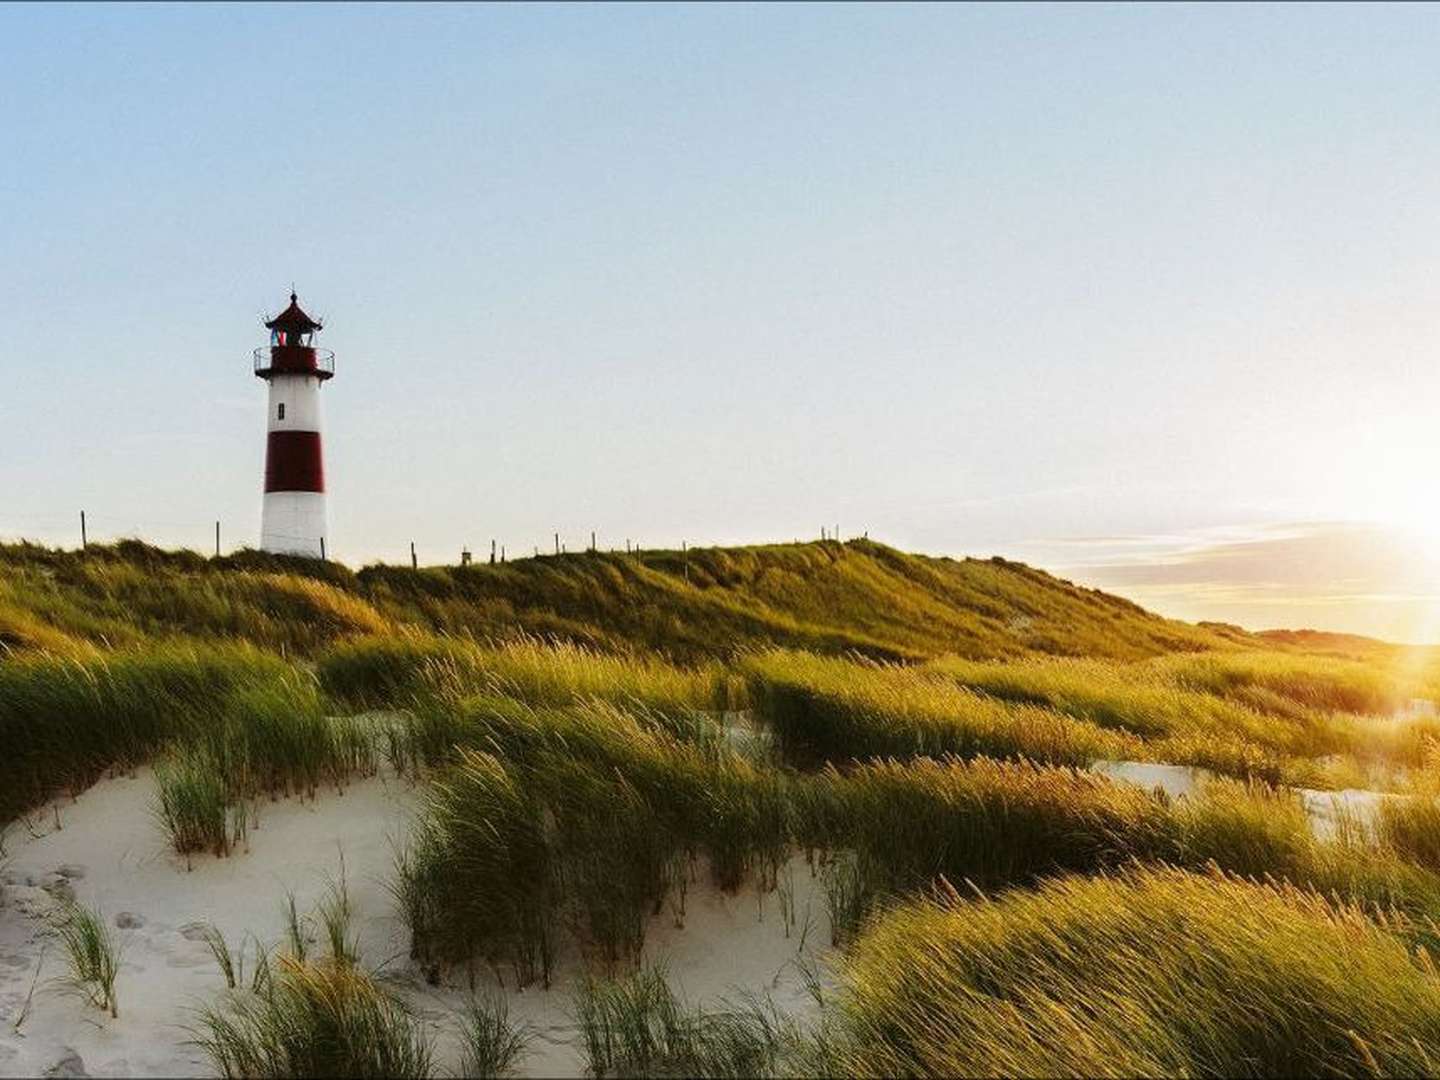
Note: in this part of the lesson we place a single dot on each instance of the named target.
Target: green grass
(494, 1045)
(92, 954)
(314, 1019)
(65, 722)
(637, 1026)
(833, 709)
(1156, 973)
(1240, 714)
(702, 604)
(997, 825)
(193, 803)
(578, 819)
(271, 739)
(381, 672)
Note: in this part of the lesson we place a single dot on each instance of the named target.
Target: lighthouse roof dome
(293, 319)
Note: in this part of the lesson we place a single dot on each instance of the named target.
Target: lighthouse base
(293, 523)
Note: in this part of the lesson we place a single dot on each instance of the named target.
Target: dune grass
(1249, 716)
(578, 819)
(382, 672)
(494, 1044)
(705, 603)
(65, 722)
(310, 1015)
(1155, 973)
(92, 954)
(637, 1026)
(314, 1019)
(835, 709)
(130, 593)
(266, 739)
(994, 825)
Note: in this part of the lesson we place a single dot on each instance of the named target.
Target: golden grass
(1155, 973)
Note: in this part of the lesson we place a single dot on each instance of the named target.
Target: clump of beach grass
(314, 1019)
(193, 801)
(92, 953)
(1159, 972)
(65, 721)
(493, 1044)
(270, 739)
(636, 1025)
(580, 818)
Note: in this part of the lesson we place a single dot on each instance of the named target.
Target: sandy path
(113, 855)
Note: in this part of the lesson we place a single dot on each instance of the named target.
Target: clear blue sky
(974, 279)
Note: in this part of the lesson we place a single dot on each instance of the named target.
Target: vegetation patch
(1160, 973)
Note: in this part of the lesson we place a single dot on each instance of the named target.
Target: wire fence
(214, 537)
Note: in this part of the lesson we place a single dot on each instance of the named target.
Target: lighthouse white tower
(292, 521)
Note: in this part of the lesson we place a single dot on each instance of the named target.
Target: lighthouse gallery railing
(265, 362)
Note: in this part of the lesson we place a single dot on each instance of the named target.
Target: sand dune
(111, 854)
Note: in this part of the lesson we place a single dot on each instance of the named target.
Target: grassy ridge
(858, 596)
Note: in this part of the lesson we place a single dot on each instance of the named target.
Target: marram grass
(92, 955)
(314, 1019)
(379, 672)
(636, 1025)
(1155, 973)
(578, 819)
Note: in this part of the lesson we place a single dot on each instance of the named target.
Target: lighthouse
(292, 521)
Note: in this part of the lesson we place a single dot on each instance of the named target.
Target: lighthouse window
(281, 416)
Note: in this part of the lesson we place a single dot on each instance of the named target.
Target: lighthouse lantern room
(292, 520)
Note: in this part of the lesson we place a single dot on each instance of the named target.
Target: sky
(1143, 295)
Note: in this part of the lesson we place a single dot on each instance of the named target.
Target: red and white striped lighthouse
(292, 521)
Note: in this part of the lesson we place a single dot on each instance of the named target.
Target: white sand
(113, 855)
(1174, 780)
(1323, 807)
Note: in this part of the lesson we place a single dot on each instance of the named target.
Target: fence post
(217, 542)
(592, 540)
(322, 549)
(557, 543)
(492, 552)
(414, 562)
(84, 543)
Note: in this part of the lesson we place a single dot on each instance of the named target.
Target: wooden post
(502, 553)
(84, 543)
(217, 542)
(592, 540)
(557, 543)
(322, 549)
(492, 552)
(414, 562)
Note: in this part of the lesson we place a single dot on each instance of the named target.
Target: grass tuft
(92, 953)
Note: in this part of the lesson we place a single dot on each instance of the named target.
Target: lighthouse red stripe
(293, 462)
